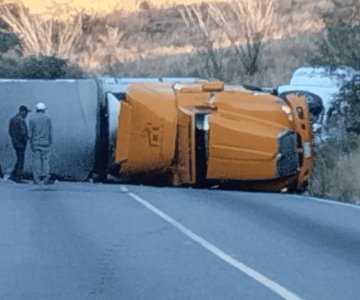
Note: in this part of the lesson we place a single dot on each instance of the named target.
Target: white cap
(40, 106)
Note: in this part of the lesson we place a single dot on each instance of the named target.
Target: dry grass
(336, 175)
(277, 62)
(98, 43)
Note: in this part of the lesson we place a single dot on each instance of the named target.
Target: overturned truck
(170, 131)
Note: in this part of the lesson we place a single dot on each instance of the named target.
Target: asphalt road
(94, 241)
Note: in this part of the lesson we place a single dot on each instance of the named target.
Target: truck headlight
(286, 109)
(307, 149)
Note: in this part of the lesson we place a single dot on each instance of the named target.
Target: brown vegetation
(336, 173)
(222, 40)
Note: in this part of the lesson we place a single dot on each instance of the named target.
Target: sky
(40, 6)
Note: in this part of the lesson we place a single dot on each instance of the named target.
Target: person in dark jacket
(41, 138)
(19, 138)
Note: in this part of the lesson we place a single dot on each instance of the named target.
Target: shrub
(39, 67)
(48, 67)
(336, 173)
(340, 44)
(8, 41)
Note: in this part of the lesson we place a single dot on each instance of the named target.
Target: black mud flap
(201, 148)
(99, 172)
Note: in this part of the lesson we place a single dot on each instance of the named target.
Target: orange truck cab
(210, 133)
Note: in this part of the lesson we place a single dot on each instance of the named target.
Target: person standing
(41, 138)
(19, 137)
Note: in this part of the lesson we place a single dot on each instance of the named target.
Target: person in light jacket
(19, 137)
(41, 138)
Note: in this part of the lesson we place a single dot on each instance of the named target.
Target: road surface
(96, 241)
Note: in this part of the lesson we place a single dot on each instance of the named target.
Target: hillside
(132, 42)
(205, 38)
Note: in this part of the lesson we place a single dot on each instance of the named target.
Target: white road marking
(329, 201)
(270, 284)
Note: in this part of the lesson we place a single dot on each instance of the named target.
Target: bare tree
(196, 16)
(101, 51)
(70, 34)
(247, 28)
(42, 36)
(245, 24)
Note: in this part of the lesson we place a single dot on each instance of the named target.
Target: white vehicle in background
(321, 87)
